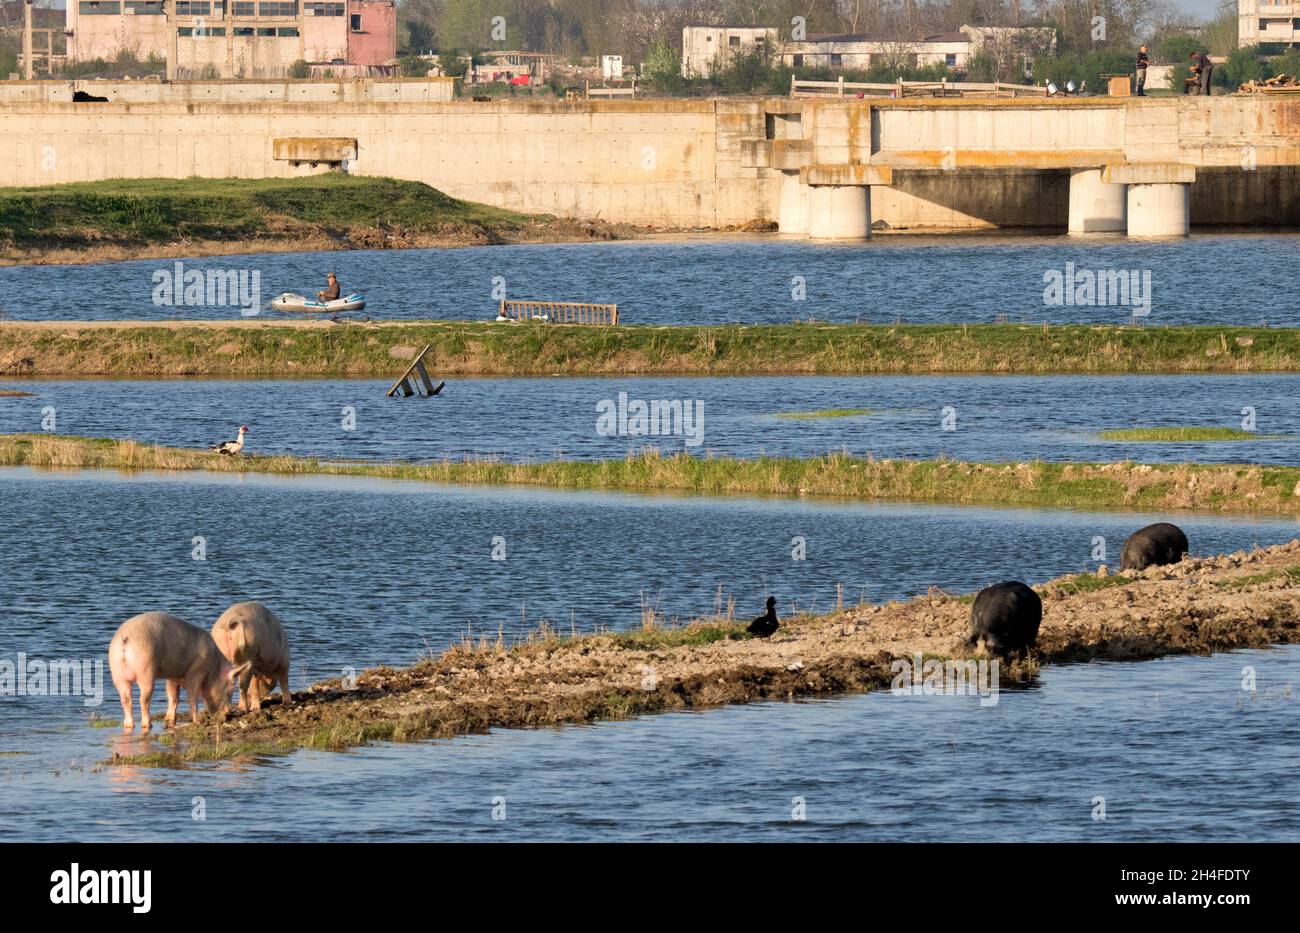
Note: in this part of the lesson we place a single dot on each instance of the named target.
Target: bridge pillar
(839, 212)
(792, 217)
(1159, 210)
(1159, 197)
(839, 207)
(1096, 206)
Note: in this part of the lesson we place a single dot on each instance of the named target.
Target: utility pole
(169, 8)
(27, 40)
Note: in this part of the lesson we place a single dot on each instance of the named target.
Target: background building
(237, 38)
(705, 48)
(860, 52)
(1268, 22)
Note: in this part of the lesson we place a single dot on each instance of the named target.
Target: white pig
(155, 644)
(250, 634)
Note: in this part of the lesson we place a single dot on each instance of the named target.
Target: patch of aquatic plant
(1184, 434)
(824, 413)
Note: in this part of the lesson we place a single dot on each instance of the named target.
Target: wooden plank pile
(1275, 83)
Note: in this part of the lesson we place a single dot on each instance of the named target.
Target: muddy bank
(275, 347)
(1199, 606)
(559, 230)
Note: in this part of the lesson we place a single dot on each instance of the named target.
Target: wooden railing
(560, 312)
(611, 92)
(900, 89)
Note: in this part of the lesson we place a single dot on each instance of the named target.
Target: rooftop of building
(879, 37)
(732, 27)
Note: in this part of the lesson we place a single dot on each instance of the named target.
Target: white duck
(231, 447)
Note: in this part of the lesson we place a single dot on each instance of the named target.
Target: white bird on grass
(231, 447)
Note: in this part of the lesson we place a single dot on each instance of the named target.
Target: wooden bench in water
(560, 312)
(409, 385)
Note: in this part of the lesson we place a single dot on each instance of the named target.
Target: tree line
(573, 29)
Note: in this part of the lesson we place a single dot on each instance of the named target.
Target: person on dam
(1203, 68)
(1142, 62)
(331, 291)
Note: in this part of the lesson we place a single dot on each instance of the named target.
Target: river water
(367, 572)
(1210, 278)
(994, 417)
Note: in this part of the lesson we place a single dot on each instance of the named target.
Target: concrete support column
(840, 212)
(1159, 210)
(1159, 196)
(793, 213)
(1095, 205)
(29, 68)
(169, 10)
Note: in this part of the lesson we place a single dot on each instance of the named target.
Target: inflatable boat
(291, 302)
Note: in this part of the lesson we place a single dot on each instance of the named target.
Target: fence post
(841, 87)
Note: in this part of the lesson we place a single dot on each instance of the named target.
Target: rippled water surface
(994, 417)
(1208, 278)
(366, 573)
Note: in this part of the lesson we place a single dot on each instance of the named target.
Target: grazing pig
(1153, 546)
(155, 644)
(249, 633)
(1006, 617)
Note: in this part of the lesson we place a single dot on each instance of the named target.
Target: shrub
(663, 66)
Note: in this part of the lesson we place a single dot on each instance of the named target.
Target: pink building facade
(237, 38)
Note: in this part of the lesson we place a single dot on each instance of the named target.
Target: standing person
(1142, 63)
(1203, 67)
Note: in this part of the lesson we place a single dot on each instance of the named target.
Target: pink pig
(250, 634)
(155, 644)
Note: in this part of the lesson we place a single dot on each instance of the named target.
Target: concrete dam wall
(836, 167)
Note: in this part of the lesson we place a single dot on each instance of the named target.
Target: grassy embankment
(105, 220)
(264, 347)
(1037, 484)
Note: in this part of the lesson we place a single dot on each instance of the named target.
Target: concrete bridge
(822, 168)
(1127, 165)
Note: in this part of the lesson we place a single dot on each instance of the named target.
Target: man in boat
(331, 292)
